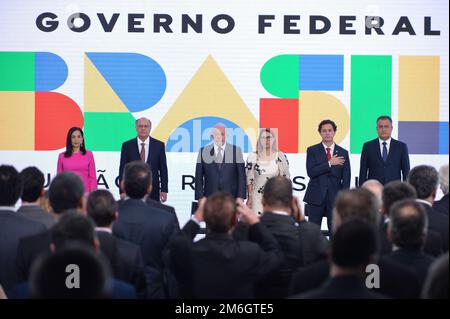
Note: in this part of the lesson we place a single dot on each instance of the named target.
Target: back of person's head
(376, 188)
(443, 178)
(101, 207)
(73, 227)
(137, 179)
(436, 283)
(33, 184)
(407, 224)
(357, 202)
(73, 272)
(66, 192)
(220, 212)
(278, 192)
(396, 191)
(424, 179)
(10, 185)
(354, 243)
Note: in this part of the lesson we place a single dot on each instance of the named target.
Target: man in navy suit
(328, 168)
(384, 158)
(220, 167)
(151, 151)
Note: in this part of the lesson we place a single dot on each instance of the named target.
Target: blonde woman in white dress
(266, 162)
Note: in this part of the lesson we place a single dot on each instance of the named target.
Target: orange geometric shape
(281, 114)
(55, 114)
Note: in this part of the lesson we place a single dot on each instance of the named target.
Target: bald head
(376, 188)
(219, 134)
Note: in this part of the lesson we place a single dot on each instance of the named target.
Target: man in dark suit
(396, 281)
(125, 257)
(424, 179)
(12, 226)
(441, 205)
(384, 158)
(219, 266)
(407, 230)
(220, 167)
(328, 168)
(393, 192)
(301, 242)
(149, 228)
(33, 190)
(66, 193)
(353, 247)
(151, 151)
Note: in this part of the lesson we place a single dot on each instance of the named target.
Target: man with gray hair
(441, 205)
(151, 151)
(424, 179)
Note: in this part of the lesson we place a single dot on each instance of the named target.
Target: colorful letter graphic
(115, 85)
(31, 117)
(297, 80)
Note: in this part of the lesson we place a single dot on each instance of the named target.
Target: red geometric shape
(281, 114)
(55, 114)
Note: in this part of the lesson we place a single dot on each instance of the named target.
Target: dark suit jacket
(12, 229)
(439, 223)
(157, 204)
(156, 159)
(372, 165)
(150, 229)
(126, 261)
(219, 266)
(441, 205)
(36, 213)
(396, 281)
(413, 259)
(228, 177)
(300, 244)
(322, 177)
(342, 287)
(29, 249)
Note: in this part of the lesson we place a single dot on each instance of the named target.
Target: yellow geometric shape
(17, 120)
(208, 93)
(418, 88)
(315, 107)
(98, 94)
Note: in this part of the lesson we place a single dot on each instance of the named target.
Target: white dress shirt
(331, 147)
(147, 145)
(388, 144)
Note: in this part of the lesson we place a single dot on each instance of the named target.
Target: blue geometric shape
(421, 137)
(443, 138)
(321, 73)
(50, 71)
(196, 133)
(138, 80)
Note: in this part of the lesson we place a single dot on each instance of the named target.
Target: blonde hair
(259, 147)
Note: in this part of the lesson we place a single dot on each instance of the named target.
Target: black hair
(69, 148)
(33, 183)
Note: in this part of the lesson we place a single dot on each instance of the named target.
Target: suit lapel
(322, 154)
(378, 150)
(150, 142)
(391, 150)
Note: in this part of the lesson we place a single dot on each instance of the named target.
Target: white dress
(259, 172)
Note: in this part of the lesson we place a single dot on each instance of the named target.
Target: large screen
(187, 65)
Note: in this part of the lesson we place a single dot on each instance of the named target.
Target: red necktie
(328, 153)
(143, 152)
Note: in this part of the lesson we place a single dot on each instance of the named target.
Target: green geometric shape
(279, 76)
(106, 131)
(370, 97)
(17, 71)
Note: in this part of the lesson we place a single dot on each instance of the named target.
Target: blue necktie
(385, 153)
